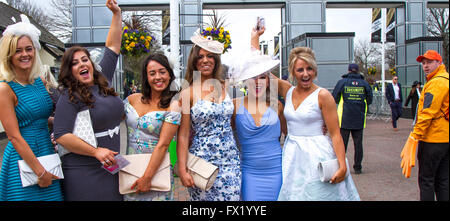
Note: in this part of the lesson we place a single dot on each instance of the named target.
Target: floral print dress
(143, 135)
(214, 142)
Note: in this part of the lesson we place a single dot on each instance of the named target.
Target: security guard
(353, 95)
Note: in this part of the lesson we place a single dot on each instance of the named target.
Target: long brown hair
(80, 91)
(192, 61)
(168, 93)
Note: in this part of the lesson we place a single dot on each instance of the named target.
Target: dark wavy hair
(77, 90)
(169, 92)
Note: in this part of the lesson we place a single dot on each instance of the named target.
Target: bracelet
(45, 171)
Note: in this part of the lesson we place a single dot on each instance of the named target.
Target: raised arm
(114, 38)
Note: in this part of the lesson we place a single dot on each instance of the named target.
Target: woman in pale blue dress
(258, 121)
(307, 107)
(207, 111)
(152, 121)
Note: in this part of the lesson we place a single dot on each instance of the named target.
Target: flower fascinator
(24, 28)
(207, 43)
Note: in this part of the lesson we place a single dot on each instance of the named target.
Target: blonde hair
(304, 53)
(51, 82)
(8, 46)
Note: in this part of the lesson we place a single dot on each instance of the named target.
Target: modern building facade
(299, 17)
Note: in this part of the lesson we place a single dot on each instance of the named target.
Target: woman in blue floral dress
(152, 123)
(208, 117)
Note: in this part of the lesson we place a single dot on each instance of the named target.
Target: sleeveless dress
(260, 155)
(143, 135)
(304, 147)
(214, 142)
(32, 112)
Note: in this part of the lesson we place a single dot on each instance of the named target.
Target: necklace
(17, 81)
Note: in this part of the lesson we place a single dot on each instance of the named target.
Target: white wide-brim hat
(207, 43)
(249, 65)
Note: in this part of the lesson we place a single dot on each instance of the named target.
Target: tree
(31, 10)
(61, 17)
(437, 20)
(366, 55)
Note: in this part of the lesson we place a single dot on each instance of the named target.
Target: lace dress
(213, 141)
(304, 147)
(143, 135)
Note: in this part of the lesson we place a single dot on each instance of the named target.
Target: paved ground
(381, 179)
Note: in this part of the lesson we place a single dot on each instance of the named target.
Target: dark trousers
(433, 171)
(396, 108)
(357, 136)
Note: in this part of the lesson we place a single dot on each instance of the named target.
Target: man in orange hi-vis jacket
(432, 130)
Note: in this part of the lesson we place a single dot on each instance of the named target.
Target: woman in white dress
(307, 108)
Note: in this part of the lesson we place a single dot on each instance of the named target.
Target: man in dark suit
(394, 97)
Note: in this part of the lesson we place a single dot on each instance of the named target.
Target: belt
(398, 100)
(109, 132)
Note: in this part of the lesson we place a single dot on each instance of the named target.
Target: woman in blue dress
(207, 111)
(25, 106)
(258, 120)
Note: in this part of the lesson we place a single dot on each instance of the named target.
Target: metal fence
(379, 109)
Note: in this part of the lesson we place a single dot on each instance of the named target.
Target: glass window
(415, 11)
(83, 17)
(412, 74)
(297, 30)
(400, 34)
(401, 55)
(431, 46)
(400, 15)
(412, 51)
(101, 16)
(329, 74)
(331, 49)
(415, 31)
(100, 34)
(83, 35)
(98, 2)
(82, 2)
(306, 12)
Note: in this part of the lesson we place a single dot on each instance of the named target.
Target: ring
(107, 161)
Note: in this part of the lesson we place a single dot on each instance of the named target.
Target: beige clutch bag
(135, 170)
(203, 173)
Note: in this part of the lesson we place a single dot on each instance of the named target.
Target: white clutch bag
(82, 129)
(328, 168)
(51, 163)
(136, 169)
(203, 173)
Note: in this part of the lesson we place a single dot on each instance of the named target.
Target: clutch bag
(51, 163)
(328, 168)
(136, 169)
(82, 129)
(203, 173)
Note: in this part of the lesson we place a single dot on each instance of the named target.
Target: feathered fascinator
(174, 60)
(24, 28)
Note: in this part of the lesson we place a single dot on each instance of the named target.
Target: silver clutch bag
(328, 168)
(51, 163)
(136, 169)
(203, 173)
(82, 129)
